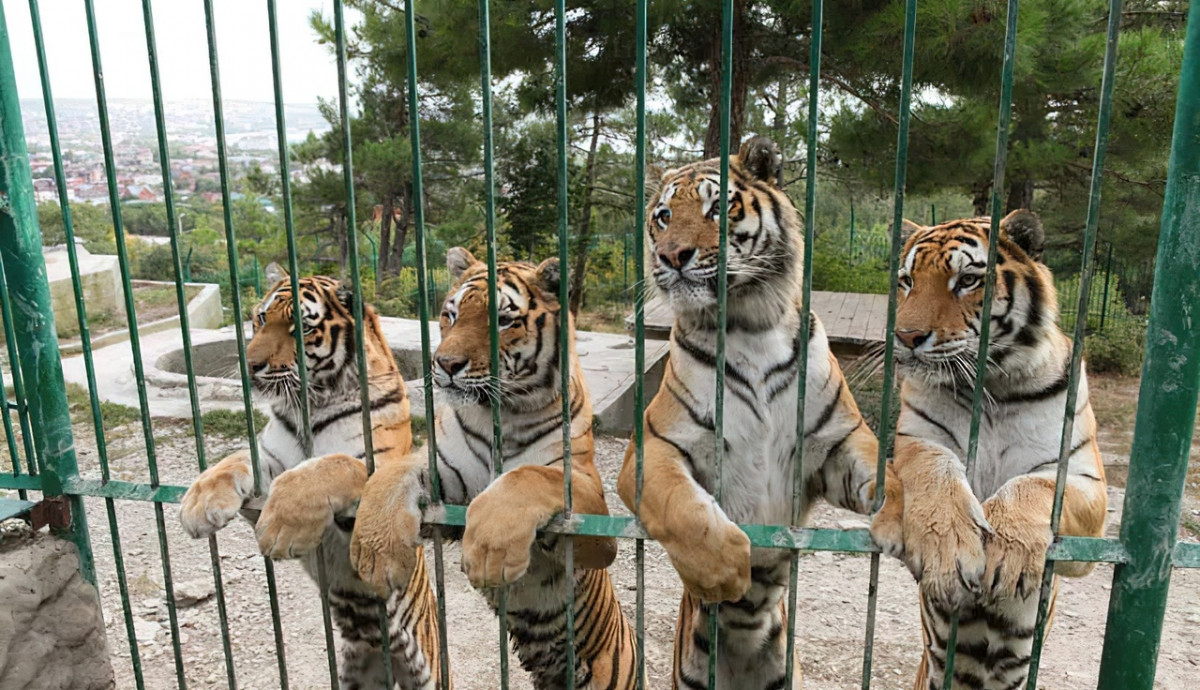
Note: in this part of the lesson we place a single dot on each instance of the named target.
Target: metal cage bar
(1075, 370)
(889, 363)
(489, 209)
(1166, 413)
(639, 328)
(423, 314)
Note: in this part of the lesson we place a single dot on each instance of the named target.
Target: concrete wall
(100, 277)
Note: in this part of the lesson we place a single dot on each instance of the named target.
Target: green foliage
(230, 424)
(112, 414)
(92, 224)
(1118, 349)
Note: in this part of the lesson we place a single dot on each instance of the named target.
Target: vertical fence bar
(285, 182)
(489, 219)
(889, 365)
(564, 352)
(810, 206)
(722, 304)
(1166, 412)
(989, 280)
(639, 327)
(423, 288)
(131, 321)
(185, 333)
(25, 282)
(1103, 118)
(360, 353)
(18, 382)
(1107, 279)
(239, 331)
(85, 342)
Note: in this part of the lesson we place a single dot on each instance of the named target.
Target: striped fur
(310, 508)
(500, 544)
(977, 543)
(711, 554)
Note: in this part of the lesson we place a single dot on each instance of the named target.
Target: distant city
(251, 137)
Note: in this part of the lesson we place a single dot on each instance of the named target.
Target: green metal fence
(1143, 555)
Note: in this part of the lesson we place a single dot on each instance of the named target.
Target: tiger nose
(451, 364)
(676, 257)
(911, 337)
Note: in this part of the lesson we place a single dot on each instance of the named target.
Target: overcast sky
(309, 70)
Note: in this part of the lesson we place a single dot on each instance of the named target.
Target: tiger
(309, 511)
(977, 542)
(712, 556)
(500, 544)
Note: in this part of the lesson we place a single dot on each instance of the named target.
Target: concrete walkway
(849, 318)
(607, 362)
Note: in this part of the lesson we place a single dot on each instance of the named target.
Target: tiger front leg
(1019, 512)
(217, 495)
(710, 552)
(503, 520)
(385, 544)
(304, 501)
(943, 525)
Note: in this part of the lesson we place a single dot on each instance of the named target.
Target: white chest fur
(760, 406)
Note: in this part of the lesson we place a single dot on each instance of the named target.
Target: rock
(145, 631)
(53, 631)
(192, 592)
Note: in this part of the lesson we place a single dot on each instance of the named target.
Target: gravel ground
(830, 631)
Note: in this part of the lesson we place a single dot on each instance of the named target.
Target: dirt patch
(1115, 401)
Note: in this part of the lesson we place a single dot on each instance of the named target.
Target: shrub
(1118, 349)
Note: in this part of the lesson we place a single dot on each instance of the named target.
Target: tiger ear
(458, 260)
(549, 276)
(1025, 229)
(907, 230)
(760, 157)
(274, 273)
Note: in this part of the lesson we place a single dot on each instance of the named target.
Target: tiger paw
(887, 528)
(296, 515)
(496, 543)
(944, 529)
(216, 496)
(1016, 553)
(387, 531)
(887, 525)
(717, 568)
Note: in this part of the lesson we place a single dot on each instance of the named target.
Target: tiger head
(765, 236)
(327, 320)
(528, 317)
(941, 283)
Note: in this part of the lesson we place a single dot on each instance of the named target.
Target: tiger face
(764, 230)
(528, 314)
(328, 328)
(941, 281)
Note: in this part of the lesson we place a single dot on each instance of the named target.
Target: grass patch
(230, 424)
(112, 414)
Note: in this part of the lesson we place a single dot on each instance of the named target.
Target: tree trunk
(397, 260)
(1020, 195)
(385, 239)
(780, 123)
(740, 83)
(981, 198)
(584, 232)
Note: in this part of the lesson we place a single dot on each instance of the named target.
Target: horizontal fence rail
(1090, 280)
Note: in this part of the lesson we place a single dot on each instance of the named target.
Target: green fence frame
(1144, 554)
